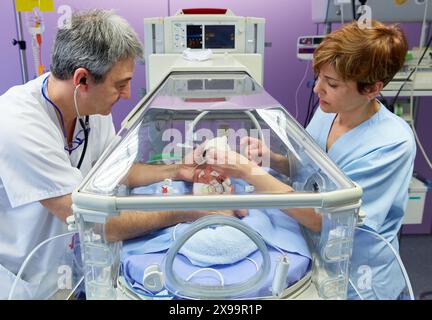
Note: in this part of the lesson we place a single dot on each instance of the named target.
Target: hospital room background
(286, 78)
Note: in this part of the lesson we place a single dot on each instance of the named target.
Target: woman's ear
(374, 90)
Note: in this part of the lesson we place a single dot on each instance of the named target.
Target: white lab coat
(34, 166)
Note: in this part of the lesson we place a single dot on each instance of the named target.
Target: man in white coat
(52, 131)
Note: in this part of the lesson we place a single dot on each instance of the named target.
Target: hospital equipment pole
(21, 44)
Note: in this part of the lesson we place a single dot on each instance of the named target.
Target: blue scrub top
(378, 155)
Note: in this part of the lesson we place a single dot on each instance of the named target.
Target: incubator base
(304, 289)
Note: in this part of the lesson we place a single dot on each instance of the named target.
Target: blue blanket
(221, 245)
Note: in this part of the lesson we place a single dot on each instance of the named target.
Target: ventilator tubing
(189, 290)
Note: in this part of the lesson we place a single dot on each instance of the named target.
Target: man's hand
(184, 172)
(186, 169)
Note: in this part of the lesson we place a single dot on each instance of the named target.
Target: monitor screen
(213, 84)
(194, 36)
(220, 36)
(306, 50)
(195, 85)
(219, 84)
(318, 40)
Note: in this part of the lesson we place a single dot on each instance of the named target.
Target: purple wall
(9, 59)
(285, 21)
(9, 56)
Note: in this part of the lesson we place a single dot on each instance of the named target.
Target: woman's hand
(255, 149)
(257, 152)
(230, 163)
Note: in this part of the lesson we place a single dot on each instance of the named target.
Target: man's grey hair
(96, 40)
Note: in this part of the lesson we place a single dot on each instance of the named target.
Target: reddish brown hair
(365, 56)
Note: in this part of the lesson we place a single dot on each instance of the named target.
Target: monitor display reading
(194, 36)
(220, 36)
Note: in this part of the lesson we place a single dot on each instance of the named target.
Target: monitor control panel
(204, 36)
(306, 46)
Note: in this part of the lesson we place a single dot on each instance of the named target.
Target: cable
(383, 100)
(421, 146)
(342, 13)
(298, 88)
(412, 115)
(355, 289)
(398, 258)
(81, 280)
(254, 262)
(174, 231)
(353, 10)
(411, 73)
(86, 129)
(423, 31)
(84, 126)
(309, 103)
(311, 94)
(222, 282)
(28, 258)
(312, 111)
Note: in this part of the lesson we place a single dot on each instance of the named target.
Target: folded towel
(220, 245)
(195, 55)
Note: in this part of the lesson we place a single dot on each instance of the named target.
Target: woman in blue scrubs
(374, 147)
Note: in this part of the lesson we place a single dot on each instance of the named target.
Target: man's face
(102, 96)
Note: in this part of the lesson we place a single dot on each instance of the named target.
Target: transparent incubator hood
(148, 168)
(189, 110)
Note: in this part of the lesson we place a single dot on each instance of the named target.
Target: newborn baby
(208, 181)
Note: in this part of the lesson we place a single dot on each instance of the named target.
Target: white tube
(28, 258)
(398, 258)
(279, 279)
(190, 133)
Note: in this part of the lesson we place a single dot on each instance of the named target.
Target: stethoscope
(84, 125)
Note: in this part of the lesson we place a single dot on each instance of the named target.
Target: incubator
(262, 254)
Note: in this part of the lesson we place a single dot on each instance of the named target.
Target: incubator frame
(331, 248)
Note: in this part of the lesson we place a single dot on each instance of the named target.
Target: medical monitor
(220, 36)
